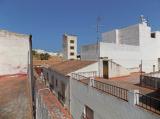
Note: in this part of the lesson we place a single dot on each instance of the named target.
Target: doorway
(105, 70)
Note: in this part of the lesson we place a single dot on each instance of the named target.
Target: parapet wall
(14, 52)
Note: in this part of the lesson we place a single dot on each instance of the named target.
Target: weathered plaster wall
(90, 52)
(14, 52)
(53, 76)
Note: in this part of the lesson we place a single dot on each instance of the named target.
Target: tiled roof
(53, 106)
(69, 66)
(15, 101)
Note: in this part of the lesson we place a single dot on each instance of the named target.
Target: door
(105, 70)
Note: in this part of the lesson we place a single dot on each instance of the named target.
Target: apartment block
(69, 47)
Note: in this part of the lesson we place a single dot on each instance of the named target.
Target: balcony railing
(78, 76)
(112, 90)
(88, 74)
(149, 103)
(149, 81)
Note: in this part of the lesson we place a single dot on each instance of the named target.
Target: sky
(48, 20)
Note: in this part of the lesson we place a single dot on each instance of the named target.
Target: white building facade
(88, 102)
(69, 47)
(15, 52)
(129, 47)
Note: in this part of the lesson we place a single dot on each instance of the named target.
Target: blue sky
(47, 20)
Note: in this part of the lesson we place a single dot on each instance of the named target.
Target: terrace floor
(127, 82)
(15, 101)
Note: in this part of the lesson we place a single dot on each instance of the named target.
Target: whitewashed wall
(90, 52)
(125, 55)
(110, 37)
(104, 105)
(128, 35)
(52, 75)
(90, 68)
(133, 44)
(14, 52)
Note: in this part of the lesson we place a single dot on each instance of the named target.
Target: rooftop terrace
(15, 100)
(120, 88)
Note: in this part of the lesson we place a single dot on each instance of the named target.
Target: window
(89, 114)
(72, 47)
(71, 41)
(72, 53)
(153, 35)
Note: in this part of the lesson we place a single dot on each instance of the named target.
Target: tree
(44, 56)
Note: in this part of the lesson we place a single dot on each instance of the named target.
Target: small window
(71, 41)
(72, 53)
(72, 47)
(153, 35)
(89, 113)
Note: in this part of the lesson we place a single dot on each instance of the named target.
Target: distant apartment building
(69, 47)
(16, 76)
(133, 47)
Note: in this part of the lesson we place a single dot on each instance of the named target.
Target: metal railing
(88, 74)
(112, 90)
(148, 81)
(149, 103)
(78, 76)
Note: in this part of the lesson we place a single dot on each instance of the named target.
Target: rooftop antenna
(143, 20)
(98, 25)
(98, 28)
(148, 23)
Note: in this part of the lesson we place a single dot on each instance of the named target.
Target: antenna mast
(98, 28)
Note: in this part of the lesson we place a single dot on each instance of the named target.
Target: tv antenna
(98, 25)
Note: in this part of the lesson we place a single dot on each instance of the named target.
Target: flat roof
(69, 66)
(129, 82)
(15, 100)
